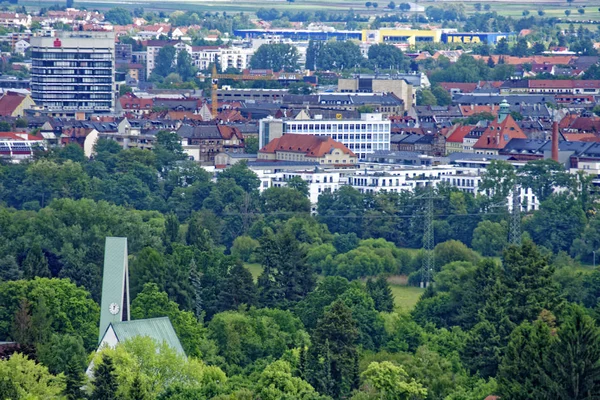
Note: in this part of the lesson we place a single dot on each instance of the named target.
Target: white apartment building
(363, 136)
(204, 56)
(319, 181)
(235, 57)
(15, 20)
(153, 48)
(373, 178)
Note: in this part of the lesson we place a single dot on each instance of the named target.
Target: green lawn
(514, 8)
(255, 270)
(405, 297)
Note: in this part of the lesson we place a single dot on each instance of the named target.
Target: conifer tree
(575, 358)
(333, 352)
(522, 374)
(196, 281)
(74, 380)
(171, 232)
(35, 264)
(137, 390)
(286, 278)
(270, 292)
(238, 287)
(381, 293)
(105, 382)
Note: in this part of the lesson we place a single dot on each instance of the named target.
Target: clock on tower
(115, 284)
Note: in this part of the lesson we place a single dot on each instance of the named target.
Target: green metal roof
(115, 283)
(159, 329)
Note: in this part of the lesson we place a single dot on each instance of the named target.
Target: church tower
(115, 284)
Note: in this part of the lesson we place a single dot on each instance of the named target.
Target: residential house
(14, 104)
(454, 141)
(203, 142)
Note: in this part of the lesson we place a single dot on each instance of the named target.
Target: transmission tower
(428, 242)
(514, 234)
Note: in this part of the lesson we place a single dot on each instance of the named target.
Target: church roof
(159, 329)
(115, 285)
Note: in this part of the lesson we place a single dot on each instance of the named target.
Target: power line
(514, 235)
(428, 243)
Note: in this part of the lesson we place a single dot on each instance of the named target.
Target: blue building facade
(476, 37)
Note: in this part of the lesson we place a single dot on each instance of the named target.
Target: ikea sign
(464, 39)
(468, 38)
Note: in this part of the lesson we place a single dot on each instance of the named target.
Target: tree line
(318, 319)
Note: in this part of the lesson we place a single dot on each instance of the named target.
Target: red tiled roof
(581, 137)
(180, 115)
(463, 87)
(131, 102)
(459, 134)
(562, 84)
(18, 136)
(228, 132)
(586, 124)
(497, 135)
(310, 145)
(468, 110)
(9, 103)
(562, 60)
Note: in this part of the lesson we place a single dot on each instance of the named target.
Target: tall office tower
(74, 72)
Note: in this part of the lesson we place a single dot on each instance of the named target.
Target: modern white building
(363, 136)
(235, 57)
(74, 72)
(153, 47)
(374, 178)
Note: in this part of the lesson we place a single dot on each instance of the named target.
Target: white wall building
(235, 57)
(379, 178)
(363, 136)
(154, 47)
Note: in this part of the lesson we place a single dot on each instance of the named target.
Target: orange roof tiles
(459, 134)
(563, 60)
(468, 110)
(498, 134)
(310, 145)
(18, 136)
(9, 103)
(581, 137)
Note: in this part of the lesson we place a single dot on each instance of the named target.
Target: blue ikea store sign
(474, 38)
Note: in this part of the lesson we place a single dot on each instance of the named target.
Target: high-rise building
(74, 72)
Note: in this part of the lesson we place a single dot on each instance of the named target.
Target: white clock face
(113, 308)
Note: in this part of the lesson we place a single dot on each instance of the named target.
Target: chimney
(555, 140)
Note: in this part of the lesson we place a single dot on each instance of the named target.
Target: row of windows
(341, 127)
(381, 137)
(367, 146)
(72, 96)
(70, 56)
(75, 105)
(46, 79)
(80, 64)
(47, 71)
(105, 88)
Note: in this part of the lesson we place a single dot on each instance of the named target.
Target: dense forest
(318, 320)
